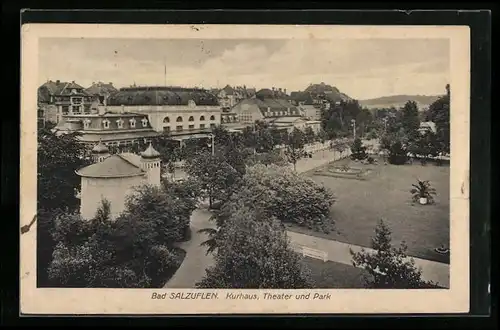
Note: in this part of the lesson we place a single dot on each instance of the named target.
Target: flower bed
(343, 172)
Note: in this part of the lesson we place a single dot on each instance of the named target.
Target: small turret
(151, 164)
(100, 152)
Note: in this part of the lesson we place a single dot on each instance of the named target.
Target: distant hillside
(331, 93)
(397, 101)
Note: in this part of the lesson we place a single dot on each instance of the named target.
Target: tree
(134, 251)
(287, 196)
(295, 147)
(398, 155)
(310, 136)
(215, 176)
(388, 267)
(439, 113)
(58, 156)
(254, 253)
(267, 158)
(410, 118)
(167, 213)
(424, 145)
(358, 150)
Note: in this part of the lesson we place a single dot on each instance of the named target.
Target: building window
(179, 128)
(202, 118)
(144, 122)
(191, 126)
(212, 125)
(75, 109)
(105, 122)
(119, 123)
(166, 129)
(212, 117)
(132, 122)
(166, 120)
(191, 118)
(202, 126)
(179, 119)
(76, 100)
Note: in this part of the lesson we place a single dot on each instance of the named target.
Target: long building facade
(173, 110)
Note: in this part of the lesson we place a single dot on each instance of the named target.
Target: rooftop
(115, 166)
(160, 95)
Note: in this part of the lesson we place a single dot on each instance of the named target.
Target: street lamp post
(213, 143)
(353, 121)
(385, 124)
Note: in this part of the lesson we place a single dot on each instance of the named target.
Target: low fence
(309, 252)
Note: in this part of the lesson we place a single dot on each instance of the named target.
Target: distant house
(266, 104)
(229, 96)
(427, 126)
(66, 97)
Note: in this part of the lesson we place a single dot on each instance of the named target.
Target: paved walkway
(196, 261)
(339, 252)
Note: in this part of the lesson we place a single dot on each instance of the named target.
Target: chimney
(111, 84)
(72, 81)
(58, 82)
(284, 90)
(279, 89)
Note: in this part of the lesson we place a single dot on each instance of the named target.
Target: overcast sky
(362, 69)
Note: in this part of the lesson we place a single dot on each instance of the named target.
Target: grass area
(385, 195)
(326, 275)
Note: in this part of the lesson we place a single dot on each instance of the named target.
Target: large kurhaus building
(181, 112)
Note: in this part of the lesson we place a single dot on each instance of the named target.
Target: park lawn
(385, 195)
(326, 275)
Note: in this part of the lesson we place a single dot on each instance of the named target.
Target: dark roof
(101, 88)
(267, 93)
(114, 166)
(273, 104)
(302, 97)
(162, 96)
(59, 88)
(229, 90)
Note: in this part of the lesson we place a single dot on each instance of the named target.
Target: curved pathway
(196, 261)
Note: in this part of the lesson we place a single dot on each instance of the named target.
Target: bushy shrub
(254, 253)
(288, 196)
(397, 154)
(358, 150)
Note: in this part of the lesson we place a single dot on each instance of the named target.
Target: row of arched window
(191, 118)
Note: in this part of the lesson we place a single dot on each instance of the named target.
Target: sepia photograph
(240, 165)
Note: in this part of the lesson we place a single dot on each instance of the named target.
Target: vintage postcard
(214, 169)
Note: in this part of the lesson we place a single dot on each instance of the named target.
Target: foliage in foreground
(388, 267)
(133, 251)
(254, 253)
